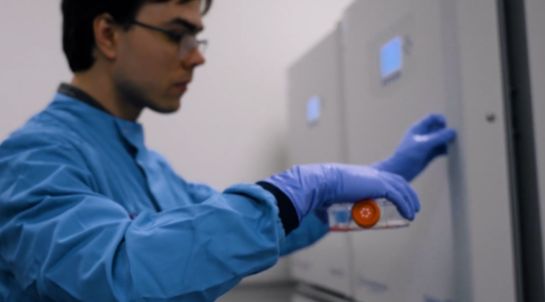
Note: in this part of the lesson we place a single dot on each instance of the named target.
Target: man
(88, 213)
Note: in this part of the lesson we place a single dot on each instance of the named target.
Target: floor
(261, 293)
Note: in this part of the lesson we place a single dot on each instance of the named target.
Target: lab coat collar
(105, 123)
(133, 132)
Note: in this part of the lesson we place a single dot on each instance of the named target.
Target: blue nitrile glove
(316, 186)
(424, 141)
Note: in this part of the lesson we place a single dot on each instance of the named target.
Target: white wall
(31, 59)
(232, 127)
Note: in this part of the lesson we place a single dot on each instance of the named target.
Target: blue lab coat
(89, 213)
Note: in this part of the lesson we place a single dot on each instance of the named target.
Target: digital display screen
(314, 110)
(391, 59)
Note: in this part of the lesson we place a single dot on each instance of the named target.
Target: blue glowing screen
(391, 58)
(314, 109)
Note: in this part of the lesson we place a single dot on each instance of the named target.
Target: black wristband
(286, 209)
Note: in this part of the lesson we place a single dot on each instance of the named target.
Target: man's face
(149, 70)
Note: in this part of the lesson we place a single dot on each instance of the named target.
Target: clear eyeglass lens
(190, 43)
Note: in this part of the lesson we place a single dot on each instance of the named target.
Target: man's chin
(167, 107)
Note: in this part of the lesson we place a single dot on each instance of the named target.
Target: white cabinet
(461, 247)
(317, 135)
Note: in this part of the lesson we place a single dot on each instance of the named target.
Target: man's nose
(193, 58)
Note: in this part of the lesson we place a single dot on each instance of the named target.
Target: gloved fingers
(396, 196)
(415, 198)
(430, 123)
(435, 152)
(357, 182)
(442, 137)
(409, 193)
(437, 138)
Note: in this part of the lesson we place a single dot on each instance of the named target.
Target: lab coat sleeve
(199, 192)
(64, 242)
(312, 228)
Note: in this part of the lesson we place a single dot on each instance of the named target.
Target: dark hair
(78, 38)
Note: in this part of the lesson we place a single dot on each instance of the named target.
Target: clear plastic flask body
(365, 215)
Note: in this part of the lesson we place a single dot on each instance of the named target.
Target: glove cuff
(287, 212)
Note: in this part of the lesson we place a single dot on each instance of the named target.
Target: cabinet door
(403, 60)
(316, 135)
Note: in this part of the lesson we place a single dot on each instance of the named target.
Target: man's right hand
(320, 185)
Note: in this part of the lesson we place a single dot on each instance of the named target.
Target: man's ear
(106, 36)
